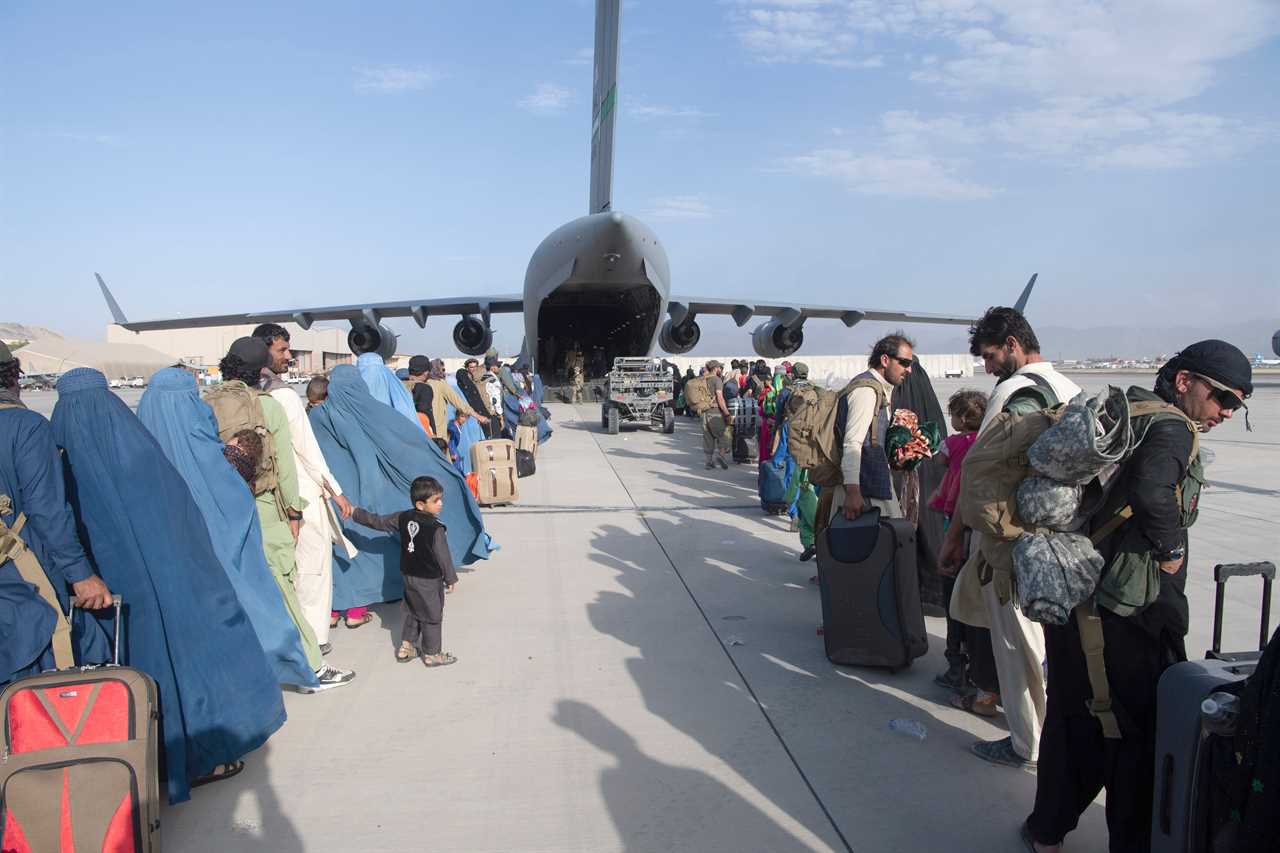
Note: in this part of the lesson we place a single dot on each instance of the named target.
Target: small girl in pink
(967, 409)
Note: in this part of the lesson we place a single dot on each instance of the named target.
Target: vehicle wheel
(613, 422)
(668, 420)
(604, 417)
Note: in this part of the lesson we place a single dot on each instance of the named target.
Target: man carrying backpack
(1009, 349)
(1141, 533)
(717, 433)
(864, 464)
(239, 405)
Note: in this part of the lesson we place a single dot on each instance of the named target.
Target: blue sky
(926, 155)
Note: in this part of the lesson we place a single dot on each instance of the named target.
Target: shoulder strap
(1040, 388)
(1092, 643)
(4, 406)
(13, 548)
(882, 400)
(1152, 408)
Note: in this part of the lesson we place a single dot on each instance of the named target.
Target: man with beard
(1010, 351)
(320, 530)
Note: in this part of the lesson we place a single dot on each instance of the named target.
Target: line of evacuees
(999, 661)
(239, 528)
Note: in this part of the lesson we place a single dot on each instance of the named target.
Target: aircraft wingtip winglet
(1021, 304)
(117, 316)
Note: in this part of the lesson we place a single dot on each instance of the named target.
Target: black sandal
(227, 771)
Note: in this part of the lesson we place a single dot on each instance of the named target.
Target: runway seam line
(711, 627)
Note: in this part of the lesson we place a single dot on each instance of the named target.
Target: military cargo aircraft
(601, 282)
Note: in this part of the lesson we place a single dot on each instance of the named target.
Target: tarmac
(639, 670)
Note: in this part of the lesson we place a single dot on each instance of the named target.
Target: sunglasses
(1225, 397)
(905, 362)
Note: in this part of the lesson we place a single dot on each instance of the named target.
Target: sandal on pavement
(980, 703)
(334, 620)
(406, 652)
(222, 771)
(364, 620)
(442, 659)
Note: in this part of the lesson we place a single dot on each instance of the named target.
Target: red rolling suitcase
(80, 767)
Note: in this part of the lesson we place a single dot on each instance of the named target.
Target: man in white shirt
(1008, 347)
(320, 530)
(864, 462)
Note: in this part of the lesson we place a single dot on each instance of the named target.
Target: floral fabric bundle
(910, 442)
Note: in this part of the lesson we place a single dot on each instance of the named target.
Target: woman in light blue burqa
(183, 624)
(187, 431)
(376, 453)
(384, 387)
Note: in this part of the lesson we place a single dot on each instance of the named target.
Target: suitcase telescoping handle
(117, 604)
(1221, 573)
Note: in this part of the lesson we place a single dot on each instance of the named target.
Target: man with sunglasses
(864, 465)
(1159, 486)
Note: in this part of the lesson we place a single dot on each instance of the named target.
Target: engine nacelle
(679, 339)
(362, 339)
(1275, 343)
(774, 340)
(472, 336)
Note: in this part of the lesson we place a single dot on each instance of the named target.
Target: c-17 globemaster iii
(599, 284)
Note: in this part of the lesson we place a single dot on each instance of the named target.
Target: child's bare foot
(442, 659)
(406, 652)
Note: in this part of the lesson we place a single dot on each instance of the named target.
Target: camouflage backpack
(236, 408)
(697, 395)
(812, 414)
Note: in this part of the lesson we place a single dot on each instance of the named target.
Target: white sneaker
(329, 677)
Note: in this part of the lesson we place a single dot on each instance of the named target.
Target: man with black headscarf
(1155, 500)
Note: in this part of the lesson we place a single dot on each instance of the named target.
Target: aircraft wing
(743, 310)
(368, 313)
(790, 314)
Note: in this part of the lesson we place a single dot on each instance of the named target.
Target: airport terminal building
(315, 350)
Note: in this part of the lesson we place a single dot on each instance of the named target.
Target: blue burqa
(470, 432)
(511, 405)
(375, 454)
(384, 387)
(183, 624)
(187, 431)
(31, 476)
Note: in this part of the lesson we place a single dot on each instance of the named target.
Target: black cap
(419, 364)
(251, 351)
(1217, 360)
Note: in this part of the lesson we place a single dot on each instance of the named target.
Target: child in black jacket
(425, 565)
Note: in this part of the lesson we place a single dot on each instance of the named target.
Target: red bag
(473, 483)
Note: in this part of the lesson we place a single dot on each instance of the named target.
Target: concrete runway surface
(639, 670)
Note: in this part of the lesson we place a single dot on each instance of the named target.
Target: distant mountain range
(19, 332)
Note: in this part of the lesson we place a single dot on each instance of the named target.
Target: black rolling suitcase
(871, 613)
(1185, 749)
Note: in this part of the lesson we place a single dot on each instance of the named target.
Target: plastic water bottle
(1218, 713)
(911, 728)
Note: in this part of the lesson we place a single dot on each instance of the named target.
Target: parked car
(953, 373)
(136, 382)
(115, 383)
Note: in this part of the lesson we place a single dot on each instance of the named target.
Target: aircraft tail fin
(604, 101)
(117, 316)
(1021, 304)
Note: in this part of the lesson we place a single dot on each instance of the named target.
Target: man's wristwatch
(1170, 555)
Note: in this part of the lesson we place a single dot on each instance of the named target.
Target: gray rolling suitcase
(1179, 820)
(871, 613)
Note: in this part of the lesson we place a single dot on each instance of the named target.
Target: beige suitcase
(527, 439)
(494, 463)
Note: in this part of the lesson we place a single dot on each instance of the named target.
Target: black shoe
(807, 554)
(952, 679)
(325, 648)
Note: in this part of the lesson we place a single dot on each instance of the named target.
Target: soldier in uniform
(575, 364)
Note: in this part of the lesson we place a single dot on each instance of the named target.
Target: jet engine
(679, 338)
(774, 340)
(472, 336)
(363, 338)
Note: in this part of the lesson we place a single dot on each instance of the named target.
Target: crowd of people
(240, 527)
(999, 661)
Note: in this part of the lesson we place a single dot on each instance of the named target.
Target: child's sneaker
(406, 652)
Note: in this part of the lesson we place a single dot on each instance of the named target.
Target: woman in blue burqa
(385, 387)
(183, 624)
(530, 395)
(187, 431)
(376, 453)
